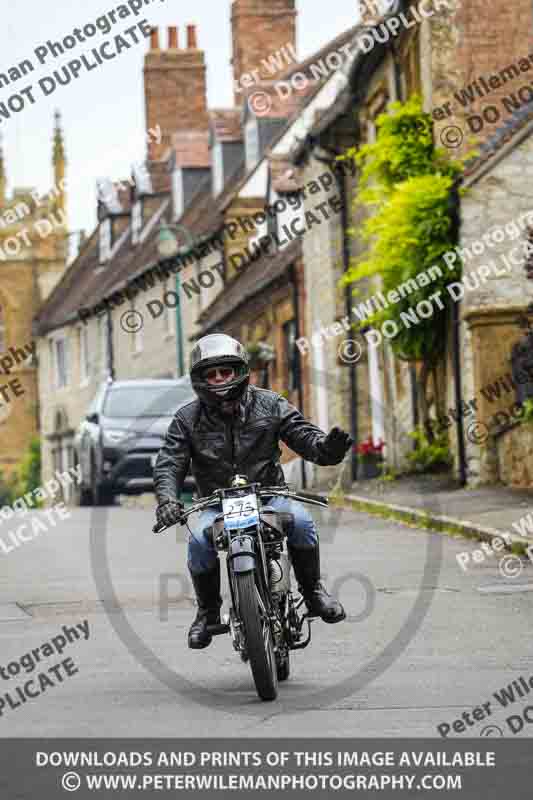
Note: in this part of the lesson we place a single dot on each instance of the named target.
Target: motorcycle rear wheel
(258, 635)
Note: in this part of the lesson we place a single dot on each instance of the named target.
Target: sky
(103, 109)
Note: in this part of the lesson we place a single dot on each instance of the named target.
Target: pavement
(423, 642)
(436, 502)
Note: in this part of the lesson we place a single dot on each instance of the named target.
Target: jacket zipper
(230, 424)
(233, 465)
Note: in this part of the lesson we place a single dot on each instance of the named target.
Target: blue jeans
(202, 555)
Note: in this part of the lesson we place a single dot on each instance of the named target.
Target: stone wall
(472, 42)
(26, 279)
(515, 456)
(490, 308)
(325, 304)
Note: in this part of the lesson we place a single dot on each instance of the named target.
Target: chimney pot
(191, 37)
(154, 39)
(173, 38)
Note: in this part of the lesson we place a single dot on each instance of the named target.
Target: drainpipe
(179, 331)
(354, 427)
(456, 359)
(456, 347)
(296, 306)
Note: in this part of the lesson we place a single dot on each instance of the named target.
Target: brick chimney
(477, 61)
(174, 89)
(372, 10)
(264, 39)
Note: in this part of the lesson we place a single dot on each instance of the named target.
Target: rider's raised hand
(169, 512)
(337, 443)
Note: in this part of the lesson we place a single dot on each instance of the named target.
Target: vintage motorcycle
(264, 620)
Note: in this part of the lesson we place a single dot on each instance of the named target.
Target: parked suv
(118, 441)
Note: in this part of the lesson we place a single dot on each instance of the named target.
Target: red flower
(368, 447)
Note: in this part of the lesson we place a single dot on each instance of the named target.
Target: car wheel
(82, 497)
(107, 496)
(101, 495)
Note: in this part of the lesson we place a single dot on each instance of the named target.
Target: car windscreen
(145, 401)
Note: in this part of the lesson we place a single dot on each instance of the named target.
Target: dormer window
(252, 143)
(105, 240)
(177, 193)
(136, 221)
(218, 169)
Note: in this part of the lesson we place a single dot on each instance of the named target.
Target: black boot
(207, 589)
(306, 565)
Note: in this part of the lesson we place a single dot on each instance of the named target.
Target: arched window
(3, 339)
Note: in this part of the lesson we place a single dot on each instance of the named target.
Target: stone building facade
(497, 215)
(33, 255)
(487, 102)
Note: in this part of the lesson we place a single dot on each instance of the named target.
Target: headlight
(117, 436)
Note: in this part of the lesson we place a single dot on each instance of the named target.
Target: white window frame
(61, 380)
(218, 168)
(252, 152)
(177, 192)
(287, 217)
(83, 349)
(105, 241)
(136, 221)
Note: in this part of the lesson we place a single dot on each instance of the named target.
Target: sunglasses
(225, 373)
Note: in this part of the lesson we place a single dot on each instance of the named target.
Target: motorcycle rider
(234, 427)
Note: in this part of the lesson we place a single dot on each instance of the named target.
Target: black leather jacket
(218, 447)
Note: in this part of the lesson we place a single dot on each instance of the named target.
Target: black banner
(211, 768)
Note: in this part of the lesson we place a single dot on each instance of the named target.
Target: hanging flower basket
(260, 354)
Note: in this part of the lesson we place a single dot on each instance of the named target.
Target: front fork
(287, 626)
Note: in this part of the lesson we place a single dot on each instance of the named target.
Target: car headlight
(116, 436)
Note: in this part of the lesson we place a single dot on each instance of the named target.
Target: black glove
(169, 512)
(337, 443)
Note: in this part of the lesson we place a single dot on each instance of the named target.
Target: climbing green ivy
(408, 184)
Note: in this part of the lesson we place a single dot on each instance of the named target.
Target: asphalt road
(423, 641)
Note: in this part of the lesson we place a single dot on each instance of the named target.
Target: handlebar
(215, 499)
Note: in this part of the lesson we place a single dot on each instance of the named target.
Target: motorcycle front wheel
(258, 635)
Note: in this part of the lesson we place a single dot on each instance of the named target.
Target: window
(252, 143)
(105, 241)
(136, 221)
(83, 345)
(147, 401)
(51, 359)
(290, 210)
(61, 363)
(3, 338)
(290, 354)
(218, 169)
(273, 231)
(411, 69)
(177, 192)
(104, 346)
